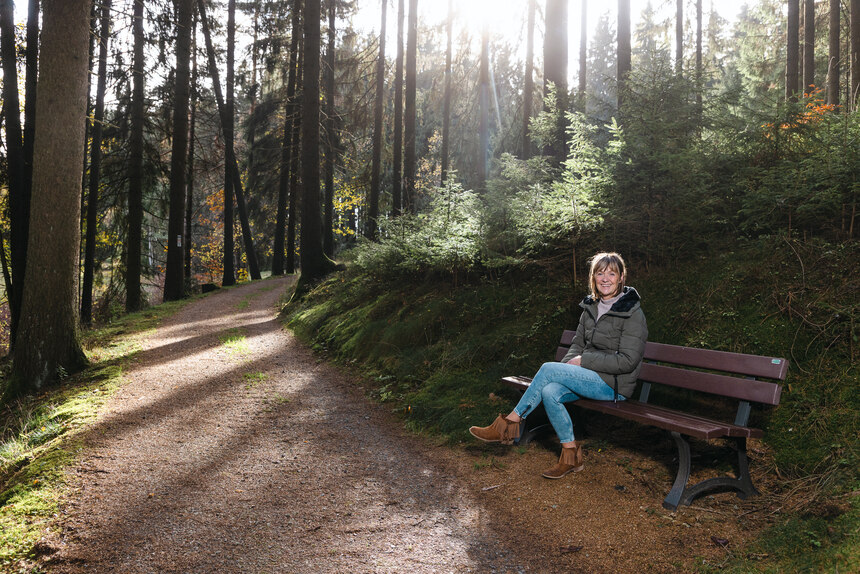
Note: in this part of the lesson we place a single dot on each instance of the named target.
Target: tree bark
(855, 54)
(833, 55)
(174, 284)
(555, 71)
(809, 47)
(295, 208)
(229, 154)
(376, 160)
(287, 145)
(484, 105)
(135, 167)
(624, 56)
(95, 167)
(699, 86)
(189, 180)
(529, 84)
(792, 55)
(409, 162)
(314, 261)
(48, 346)
(228, 255)
(679, 37)
(19, 193)
(330, 136)
(397, 153)
(32, 66)
(583, 55)
(446, 101)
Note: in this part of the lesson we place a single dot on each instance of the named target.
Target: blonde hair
(603, 261)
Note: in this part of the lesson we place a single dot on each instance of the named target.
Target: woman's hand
(577, 360)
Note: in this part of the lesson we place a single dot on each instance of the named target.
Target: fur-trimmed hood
(628, 302)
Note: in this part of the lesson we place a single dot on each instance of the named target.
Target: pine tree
(48, 345)
(135, 167)
(95, 167)
(376, 159)
(174, 283)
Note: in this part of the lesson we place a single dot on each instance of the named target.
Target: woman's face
(607, 282)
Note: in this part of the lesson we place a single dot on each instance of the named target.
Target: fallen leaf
(721, 542)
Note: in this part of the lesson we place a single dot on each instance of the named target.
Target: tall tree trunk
(624, 57)
(555, 71)
(679, 37)
(32, 66)
(699, 86)
(809, 47)
(529, 84)
(855, 54)
(48, 345)
(287, 144)
(484, 104)
(251, 130)
(4, 264)
(833, 54)
(397, 154)
(135, 167)
(174, 284)
(376, 160)
(189, 180)
(409, 162)
(296, 138)
(446, 101)
(229, 153)
(792, 55)
(229, 255)
(314, 261)
(19, 194)
(95, 167)
(330, 136)
(583, 55)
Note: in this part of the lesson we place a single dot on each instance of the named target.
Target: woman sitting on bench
(602, 364)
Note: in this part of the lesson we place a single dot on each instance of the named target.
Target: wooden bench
(712, 372)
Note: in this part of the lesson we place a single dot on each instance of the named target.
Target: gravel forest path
(233, 448)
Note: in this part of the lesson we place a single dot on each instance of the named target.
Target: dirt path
(232, 448)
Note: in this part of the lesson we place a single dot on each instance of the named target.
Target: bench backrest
(685, 358)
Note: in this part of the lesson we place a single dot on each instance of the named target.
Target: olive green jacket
(613, 345)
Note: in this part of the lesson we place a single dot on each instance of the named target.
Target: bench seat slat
(668, 419)
(661, 418)
(654, 415)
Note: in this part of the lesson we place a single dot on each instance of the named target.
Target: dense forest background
(706, 133)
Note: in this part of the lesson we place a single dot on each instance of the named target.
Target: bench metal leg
(745, 485)
(742, 484)
(528, 434)
(673, 499)
(683, 495)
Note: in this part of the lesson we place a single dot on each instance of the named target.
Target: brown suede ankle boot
(569, 461)
(502, 430)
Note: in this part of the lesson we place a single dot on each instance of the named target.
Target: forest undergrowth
(433, 345)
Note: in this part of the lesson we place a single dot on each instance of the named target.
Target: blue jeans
(559, 383)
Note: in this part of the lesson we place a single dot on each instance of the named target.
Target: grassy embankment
(434, 351)
(40, 435)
